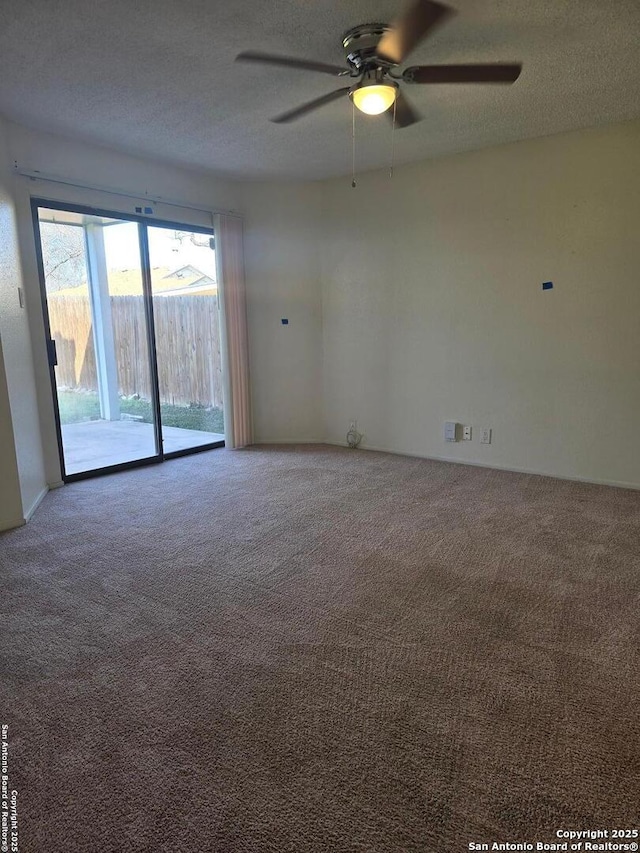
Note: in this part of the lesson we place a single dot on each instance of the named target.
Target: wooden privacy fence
(187, 347)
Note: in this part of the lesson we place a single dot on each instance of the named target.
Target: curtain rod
(54, 179)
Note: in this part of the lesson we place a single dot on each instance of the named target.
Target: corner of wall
(20, 407)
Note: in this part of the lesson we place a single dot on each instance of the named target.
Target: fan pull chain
(393, 137)
(353, 144)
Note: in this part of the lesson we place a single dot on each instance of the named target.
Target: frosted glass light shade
(374, 99)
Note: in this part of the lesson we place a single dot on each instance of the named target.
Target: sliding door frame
(146, 223)
(147, 296)
(143, 223)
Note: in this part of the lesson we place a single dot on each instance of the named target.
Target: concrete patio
(96, 444)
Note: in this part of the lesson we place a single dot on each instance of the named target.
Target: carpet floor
(301, 649)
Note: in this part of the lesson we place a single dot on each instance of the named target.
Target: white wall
(433, 308)
(71, 160)
(282, 243)
(18, 401)
(10, 497)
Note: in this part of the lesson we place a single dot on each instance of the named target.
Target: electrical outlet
(485, 435)
(466, 433)
(353, 424)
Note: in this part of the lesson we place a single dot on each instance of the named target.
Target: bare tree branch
(72, 256)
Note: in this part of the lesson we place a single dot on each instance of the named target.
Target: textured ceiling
(157, 77)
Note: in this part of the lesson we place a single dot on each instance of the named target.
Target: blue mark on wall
(284, 321)
(547, 285)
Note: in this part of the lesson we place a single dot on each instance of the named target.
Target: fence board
(187, 347)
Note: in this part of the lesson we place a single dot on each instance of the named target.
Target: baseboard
(620, 484)
(19, 522)
(34, 506)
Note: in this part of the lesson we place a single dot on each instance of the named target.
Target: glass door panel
(187, 337)
(98, 325)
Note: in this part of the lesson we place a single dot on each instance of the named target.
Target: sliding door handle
(53, 353)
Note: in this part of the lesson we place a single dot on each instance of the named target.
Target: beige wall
(18, 409)
(10, 497)
(433, 308)
(281, 240)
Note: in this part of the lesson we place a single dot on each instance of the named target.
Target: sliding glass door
(187, 336)
(134, 346)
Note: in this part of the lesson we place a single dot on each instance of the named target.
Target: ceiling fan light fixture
(374, 97)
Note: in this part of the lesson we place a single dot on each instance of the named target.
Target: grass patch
(77, 406)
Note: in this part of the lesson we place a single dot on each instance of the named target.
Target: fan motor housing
(360, 45)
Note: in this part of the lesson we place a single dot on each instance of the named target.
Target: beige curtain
(234, 338)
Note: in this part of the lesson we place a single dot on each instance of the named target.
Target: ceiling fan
(373, 54)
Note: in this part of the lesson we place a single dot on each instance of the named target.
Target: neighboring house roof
(187, 280)
(188, 273)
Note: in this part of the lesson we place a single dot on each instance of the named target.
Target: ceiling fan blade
(396, 44)
(302, 110)
(405, 113)
(289, 62)
(495, 73)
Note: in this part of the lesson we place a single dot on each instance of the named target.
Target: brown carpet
(315, 649)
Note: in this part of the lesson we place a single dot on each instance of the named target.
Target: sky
(122, 249)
